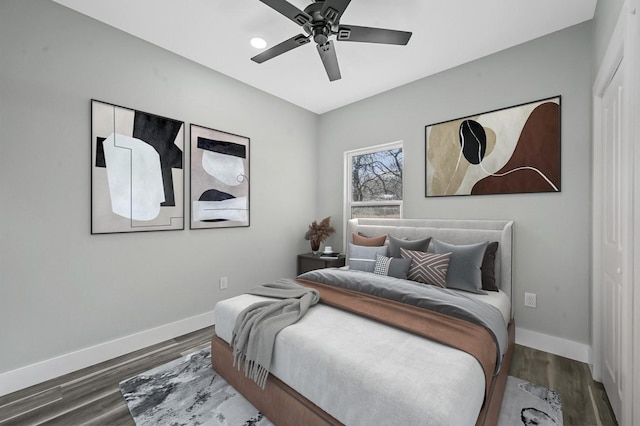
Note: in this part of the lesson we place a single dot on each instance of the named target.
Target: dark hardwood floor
(584, 402)
(91, 396)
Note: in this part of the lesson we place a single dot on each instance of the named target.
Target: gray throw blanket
(256, 327)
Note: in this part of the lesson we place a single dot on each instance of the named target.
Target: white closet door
(615, 205)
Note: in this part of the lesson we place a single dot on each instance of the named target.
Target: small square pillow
(364, 258)
(395, 244)
(464, 269)
(361, 240)
(392, 267)
(427, 268)
(489, 267)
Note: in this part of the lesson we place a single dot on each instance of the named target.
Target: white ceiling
(446, 33)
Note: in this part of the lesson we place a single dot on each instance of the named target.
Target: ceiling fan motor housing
(320, 25)
(320, 34)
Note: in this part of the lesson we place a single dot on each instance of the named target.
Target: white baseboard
(554, 345)
(30, 375)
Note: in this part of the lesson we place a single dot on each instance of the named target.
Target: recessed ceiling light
(258, 43)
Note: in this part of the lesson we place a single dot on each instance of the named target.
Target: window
(373, 179)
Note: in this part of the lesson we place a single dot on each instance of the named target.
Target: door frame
(623, 44)
(633, 39)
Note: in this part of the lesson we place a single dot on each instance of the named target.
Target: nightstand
(309, 262)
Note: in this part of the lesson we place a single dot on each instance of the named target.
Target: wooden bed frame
(284, 406)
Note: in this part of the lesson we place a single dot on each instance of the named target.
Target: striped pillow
(427, 268)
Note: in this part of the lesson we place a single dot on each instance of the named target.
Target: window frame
(348, 184)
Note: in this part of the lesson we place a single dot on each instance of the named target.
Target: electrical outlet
(224, 281)
(530, 300)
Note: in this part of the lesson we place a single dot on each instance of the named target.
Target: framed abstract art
(511, 150)
(219, 179)
(137, 175)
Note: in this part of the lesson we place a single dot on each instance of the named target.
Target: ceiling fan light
(258, 43)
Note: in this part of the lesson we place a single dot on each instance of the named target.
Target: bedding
(395, 244)
(441, 300)
(362, 372)
(464, 271)
(361, 240)
(382, 366)
(427, 268)
(363, 258)
(393, 267)
(497, 299)
(256, 327)
(488, 267)
(499, 233)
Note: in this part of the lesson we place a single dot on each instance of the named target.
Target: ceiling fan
(320, 20)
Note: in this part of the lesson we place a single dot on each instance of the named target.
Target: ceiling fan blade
(372, 35)
(288, 10)
(332, 10)
(279, 49)
(329, 60)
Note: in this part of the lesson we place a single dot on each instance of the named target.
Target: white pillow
(363, 258)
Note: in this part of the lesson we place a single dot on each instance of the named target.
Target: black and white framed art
(137, 172)
(219, 179)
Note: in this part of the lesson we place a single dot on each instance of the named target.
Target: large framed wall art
(511, 150)
(219, 179)
(137, 173)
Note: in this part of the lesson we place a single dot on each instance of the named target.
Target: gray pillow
(392, 267)
(395, 244)
(464, 268)
(363, 258)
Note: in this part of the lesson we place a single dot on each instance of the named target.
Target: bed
(359, 358)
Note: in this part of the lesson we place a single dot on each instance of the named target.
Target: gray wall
(604, 21)
(62, 289)
(552, 231)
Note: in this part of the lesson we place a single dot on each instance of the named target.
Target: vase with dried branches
(318, 233)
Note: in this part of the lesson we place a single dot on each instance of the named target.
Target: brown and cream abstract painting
(512, 150)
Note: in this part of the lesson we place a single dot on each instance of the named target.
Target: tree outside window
(375, 181)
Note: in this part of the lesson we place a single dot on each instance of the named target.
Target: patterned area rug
(527, 404)
(188, 392)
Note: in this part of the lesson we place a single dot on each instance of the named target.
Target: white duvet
(365, 373)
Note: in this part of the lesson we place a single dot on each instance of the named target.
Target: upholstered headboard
(451, 231)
